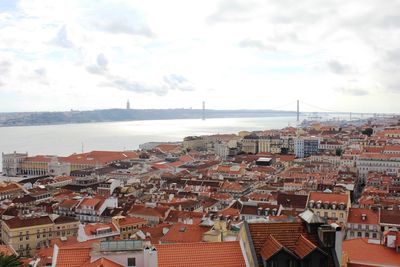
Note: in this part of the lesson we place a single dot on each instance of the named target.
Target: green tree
(9, 261)
(368, 131)
(339, 152)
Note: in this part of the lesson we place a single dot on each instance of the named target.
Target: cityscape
(184, 133)
(320, 194)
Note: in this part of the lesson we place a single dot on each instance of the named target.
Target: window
(359, 234)
(374, 235)
(351, 234)
(131, 262)
(341, 215)
(366, 234)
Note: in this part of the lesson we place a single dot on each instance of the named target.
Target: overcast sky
(87, 54)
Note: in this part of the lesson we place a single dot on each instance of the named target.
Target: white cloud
(252, 54)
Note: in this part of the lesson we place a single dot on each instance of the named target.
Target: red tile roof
(103, 262)
(6, 187)
(270, 247)
(73, 256)
(218, 254)
(155, 233)
(148, 211)
(91, 202)
(91, 229)
(168, 148)
(18, 222)
(287, 234)
(41, 158)
(329, 197)
(355, 216)
(69, 203)
(357, 252)
(6, 250)
(304, 247)
(176, 215)
(390, 216)
(103, 157)
(131, 220)
(184, 233)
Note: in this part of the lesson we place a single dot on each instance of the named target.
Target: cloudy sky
(90, 54)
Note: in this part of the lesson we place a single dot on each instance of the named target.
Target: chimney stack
(363, 216)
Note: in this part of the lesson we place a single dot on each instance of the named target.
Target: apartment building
(306, 146)
(363, 223)
(375, 162)
(26, 234)
(331, 206)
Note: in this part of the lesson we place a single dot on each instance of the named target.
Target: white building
(383, 163)
(12, 163)
(305, 146)
(221, 149)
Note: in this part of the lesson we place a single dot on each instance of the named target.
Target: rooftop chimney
(363, 216)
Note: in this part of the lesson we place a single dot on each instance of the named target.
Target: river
(68, 138)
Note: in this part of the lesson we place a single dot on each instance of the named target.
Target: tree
(368, 131)
(9, 261)
(339, 152)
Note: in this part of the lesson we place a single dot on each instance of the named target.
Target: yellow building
(330, 205)
(128, 225)
(27, 234)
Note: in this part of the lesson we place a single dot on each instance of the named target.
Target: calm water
(67, 139)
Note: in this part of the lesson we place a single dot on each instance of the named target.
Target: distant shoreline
(120, 115)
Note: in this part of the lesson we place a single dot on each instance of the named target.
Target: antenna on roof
(82, 147)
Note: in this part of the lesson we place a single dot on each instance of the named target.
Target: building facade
(27, 234)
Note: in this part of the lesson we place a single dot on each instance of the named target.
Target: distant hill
(107, 115)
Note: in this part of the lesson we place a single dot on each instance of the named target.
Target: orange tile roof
(218, 254)
(329, 197)
(392, 148)
(155, 233)
(73, 256)
(91, 229)
(103, 157)
(18, 222)
(6, 250)
(304, 247)
(6, 187)
(131, 220)
(355, 216)
(184, 233)
(285, 233)
(91, 202)
(229, 212)
(68, 203)
(356, 250)
(41, 158)
(176, 215)
(102, 262)
(168, 148)
(232, 186)
(270, 247)
(148, 211)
